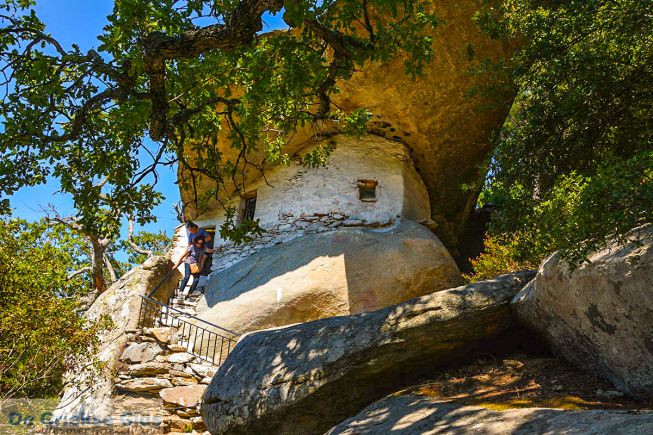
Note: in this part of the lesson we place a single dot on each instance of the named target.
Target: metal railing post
(189, 326)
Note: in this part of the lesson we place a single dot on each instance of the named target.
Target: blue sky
(80, 22)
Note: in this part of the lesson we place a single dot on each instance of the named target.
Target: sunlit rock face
(446, 130)
(417, 414)
(305, 378)
(599, 316)
(339, 272)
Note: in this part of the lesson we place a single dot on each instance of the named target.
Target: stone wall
(89, 391)
(297, 200)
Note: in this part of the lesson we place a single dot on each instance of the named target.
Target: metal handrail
(189, 325)
(202, 339)
(183, 313)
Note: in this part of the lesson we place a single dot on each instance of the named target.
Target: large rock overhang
(446, 128)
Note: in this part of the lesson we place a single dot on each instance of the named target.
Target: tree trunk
(99, 250)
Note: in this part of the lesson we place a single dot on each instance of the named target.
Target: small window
(247, 206)
(367, 190)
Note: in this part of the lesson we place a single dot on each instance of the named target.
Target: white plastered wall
(300, 200)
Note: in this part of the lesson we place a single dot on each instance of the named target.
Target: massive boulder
(413, 414)
(347, 271)
(90, 391)
(437, 116)
(600, 315)
(305, 378)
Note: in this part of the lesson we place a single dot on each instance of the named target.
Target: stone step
(146, 369)
(187, 397)
(144, 385)
(180, 303)
(169, 321)
(161, 334)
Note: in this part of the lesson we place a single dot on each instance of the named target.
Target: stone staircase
(160, 381)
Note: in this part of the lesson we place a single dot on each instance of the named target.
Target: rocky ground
(524, 380)
(516, 393)
(513, 380)
(158, 377)
(413, 414)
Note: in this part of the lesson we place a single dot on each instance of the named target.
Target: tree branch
(179, 211)
(110, 269)
(130, 240)
(99, 245)
(345, 49)
(240, 27)
(79, 272)
(69, 222)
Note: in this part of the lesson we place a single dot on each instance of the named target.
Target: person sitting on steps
(193, 259)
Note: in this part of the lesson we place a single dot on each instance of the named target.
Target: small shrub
(498, 258)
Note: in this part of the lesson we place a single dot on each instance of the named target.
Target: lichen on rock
(599, 316)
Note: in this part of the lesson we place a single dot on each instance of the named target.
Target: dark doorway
(209, 245)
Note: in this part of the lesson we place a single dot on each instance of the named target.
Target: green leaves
(319, 156)
(354, 124)
(238, 231)
(578, 215)
(567, 172)
(42, 330)
(157, 243)
(589, 65)
(294, 12)
(195, 76)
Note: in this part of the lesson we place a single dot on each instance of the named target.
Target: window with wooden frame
(247, 206)
(367, 190)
